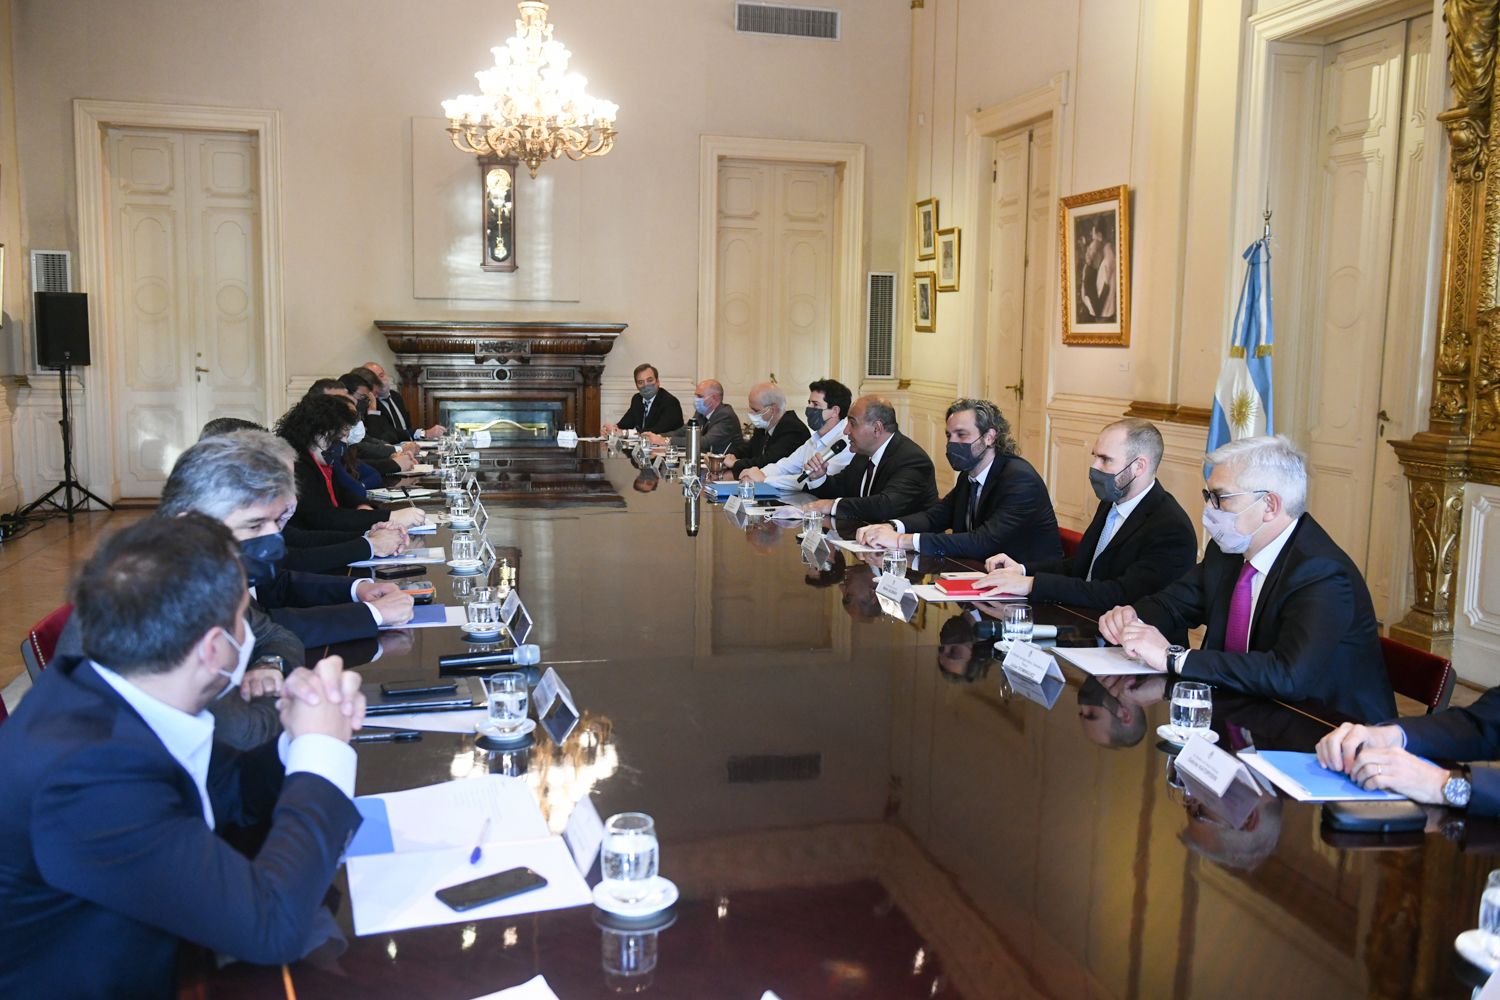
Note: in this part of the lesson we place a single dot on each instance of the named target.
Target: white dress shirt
(977, 479)
(874, 464)
(190, 741)
(1122, 511)
(783, 475)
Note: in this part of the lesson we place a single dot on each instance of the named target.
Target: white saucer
(460, 524)
(1175, 738)
(662, 895)
(490, 732)
(465, 565)
(478, 630)
(1470, 945)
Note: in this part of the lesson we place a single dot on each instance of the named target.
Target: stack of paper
(1104, 661)
(416, 842)
(411, 557)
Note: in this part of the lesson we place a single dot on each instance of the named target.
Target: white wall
(347, 79)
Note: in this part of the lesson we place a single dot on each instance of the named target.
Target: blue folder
(374, 834)
(723, 491)
(1320, 783)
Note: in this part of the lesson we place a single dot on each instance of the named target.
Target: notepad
(1104, 661)
(1304, 779)
(418, 556)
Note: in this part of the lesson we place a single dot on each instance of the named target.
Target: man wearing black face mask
(1139, 541)
(652, 408)
(998, 504)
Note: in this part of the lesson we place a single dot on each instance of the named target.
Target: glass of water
(508, 698)
(1192, 707)
(465, 549)
(1017, 625)
(895, 562)
(747, 491)
(483, 613)
(630, 856)
(1489, 914)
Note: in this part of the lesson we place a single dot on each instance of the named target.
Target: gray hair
(769, 394)
(1268, 463)
(1141, 438)
(987, 417)
(879, 408)
(219, 475)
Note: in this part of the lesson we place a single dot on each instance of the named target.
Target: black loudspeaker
(62, 329)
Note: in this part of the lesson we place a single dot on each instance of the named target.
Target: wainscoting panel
(1476, 640)
(38, 440)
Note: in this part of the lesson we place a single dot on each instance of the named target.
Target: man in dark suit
(998, 504)
(1287, 612)
(114, 784)
(390, 420)
(1386, 757)
(721, 425)
(245, 480)
(652, 408)
(778, 432)
(1139, 541)
(890, 475)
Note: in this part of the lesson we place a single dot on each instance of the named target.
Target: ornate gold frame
(1076, 334)
(930, 279)
(957, 237)
(926, 251)
(1462, 440)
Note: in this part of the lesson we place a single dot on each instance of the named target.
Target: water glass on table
(465, 548)
(747, 491)
(509, 699)
(894, 563)
(483, 613)
(1017, 625)
(1192, 707)
(1489, 915)
(630, 856)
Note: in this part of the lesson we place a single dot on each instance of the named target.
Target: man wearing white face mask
(777, 434)
(1287, 612)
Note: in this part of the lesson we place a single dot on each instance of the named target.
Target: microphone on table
(520, 656)
(825, 455)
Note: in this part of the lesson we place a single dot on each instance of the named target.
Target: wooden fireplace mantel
(444, 360)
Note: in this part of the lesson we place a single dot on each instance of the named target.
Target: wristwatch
(274, 662)
(1174, 655)
(1456, 790)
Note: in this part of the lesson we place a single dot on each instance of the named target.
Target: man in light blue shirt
(827, 409)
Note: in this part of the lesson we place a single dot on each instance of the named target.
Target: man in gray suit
(721, 425)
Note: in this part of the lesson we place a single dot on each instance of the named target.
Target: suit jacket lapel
(1272, 584)
(887, 463)
(1138, 516)
(1084, 557)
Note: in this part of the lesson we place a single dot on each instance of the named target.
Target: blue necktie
(1105, 537)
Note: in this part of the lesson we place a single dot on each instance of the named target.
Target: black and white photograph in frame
(927, 223)
(1094, 244)
(924, 300)
(948, 261)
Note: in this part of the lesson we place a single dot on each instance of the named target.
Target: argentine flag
(1242, 399)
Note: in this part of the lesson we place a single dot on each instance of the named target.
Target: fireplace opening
(512, 422)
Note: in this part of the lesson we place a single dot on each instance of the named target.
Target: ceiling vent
(796, 22)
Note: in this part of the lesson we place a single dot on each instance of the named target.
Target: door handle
(1019, 388)
(1381, 419)
(198, 369)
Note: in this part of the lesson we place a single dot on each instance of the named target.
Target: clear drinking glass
(464, 548)
(458, 510)
(509, 699)
(630, 856)
(485, 613)
(895, 562)
(1017, 624)
(1489, 914)
(747, 491)
(1192, 707)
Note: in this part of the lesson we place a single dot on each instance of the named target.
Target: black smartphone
(399, 572)
(436, 686)
(468, 895)
(422, 591)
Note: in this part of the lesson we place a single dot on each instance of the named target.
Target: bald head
(711, 391)
(767, 404)
(376, 369)
(872, 421)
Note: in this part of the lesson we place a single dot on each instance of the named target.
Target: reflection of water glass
(1017, 625)
(463, 586)
(1192, 707)
(630, 856)
(458, 510)
(508, 700)
(895, 562)
(1489, 915)
(464, 547)
(629, 959)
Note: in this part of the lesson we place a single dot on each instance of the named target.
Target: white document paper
(453, 616)
(450, 813)
(401, 493)
(420, 556)
(430, 528)
(421, 470)
(1104, 661)
(933, 594)
(396, 892)
(462, 721)
(532, 989)
(855, 547)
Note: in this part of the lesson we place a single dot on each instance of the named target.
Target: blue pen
(478, 852)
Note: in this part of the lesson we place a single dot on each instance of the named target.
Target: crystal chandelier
(530, 108)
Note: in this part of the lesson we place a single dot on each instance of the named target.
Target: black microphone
(825, 455)
(520, 656)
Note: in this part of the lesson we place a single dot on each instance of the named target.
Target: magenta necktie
(1237, 635)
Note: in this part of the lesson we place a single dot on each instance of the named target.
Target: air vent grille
(880, 325)
(797, 22)
(755, 768)
(51, 271)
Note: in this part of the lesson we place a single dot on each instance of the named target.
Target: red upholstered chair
(1418, 674)
(1070, 541)
(41, 641)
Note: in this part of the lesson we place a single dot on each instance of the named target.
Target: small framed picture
(924, 300)
(947, 259)
(1093, 236)
(927, 223)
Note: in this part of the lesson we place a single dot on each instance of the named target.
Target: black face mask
(814, 418)
(1107, 486)
(961, 456)
(261, 557)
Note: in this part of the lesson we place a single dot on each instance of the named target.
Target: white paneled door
(1016, 360)
(184, 293)
(775, 277)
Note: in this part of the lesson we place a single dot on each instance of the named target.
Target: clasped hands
(1374, 758)
(393, 603)
(1139, 641)
(325, 699)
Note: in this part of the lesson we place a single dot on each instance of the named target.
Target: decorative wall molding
(1163, 413)
(1476, 647)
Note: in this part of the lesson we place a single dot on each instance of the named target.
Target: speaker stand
(69, 483)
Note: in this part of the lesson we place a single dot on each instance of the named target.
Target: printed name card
(584, 835)
(892, 587)
(1031, 662)
(812, 537)
(734, 504)
(1213, 768)
(554, 706)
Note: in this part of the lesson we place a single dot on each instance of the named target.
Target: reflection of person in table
(1242, 848)
(1106, 720)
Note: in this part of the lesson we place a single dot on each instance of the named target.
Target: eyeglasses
(1217, 499)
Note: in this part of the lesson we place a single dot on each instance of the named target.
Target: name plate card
(554, 706)
(584, 835)
(892, 587)
(812, 538)
(1031, 662)
(1213, 768)
(734, 504)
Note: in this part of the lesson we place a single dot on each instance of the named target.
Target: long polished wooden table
(855, 805)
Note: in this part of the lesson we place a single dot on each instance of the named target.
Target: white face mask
(357, 433)
(759, 420)
(1223, 528)
(244, 649)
